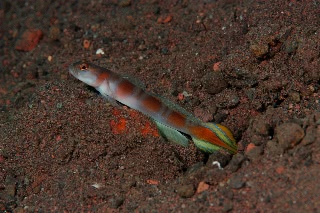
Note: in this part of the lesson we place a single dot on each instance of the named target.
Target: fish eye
(83, 66)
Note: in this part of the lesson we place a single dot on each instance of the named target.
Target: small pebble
(295, 97)
(289, 135)
(227, 206)
(236, 162)
(257, 140)
(124, 3)
(310, 136)
(164, 51)
(202, 187)
(227, 193)
(86, 43)
(254, 152)
(116, 201)
(186, 191)
(273, 148)
(214, 82)
(50, 58)
(164, 19)
(54, 33)
(236, 182)
(259, 50)
(291, 47)
(18, 210)
(227, 99)
(11, 189)
(216, 66)
(261, 127)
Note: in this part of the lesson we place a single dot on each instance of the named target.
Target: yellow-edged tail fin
(213, 137)
(227, 132)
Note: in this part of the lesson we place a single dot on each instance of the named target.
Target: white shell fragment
(217, 163)
(100, 51)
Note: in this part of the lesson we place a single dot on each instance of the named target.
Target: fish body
(170, 119)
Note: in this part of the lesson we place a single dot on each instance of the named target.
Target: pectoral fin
(171, 134)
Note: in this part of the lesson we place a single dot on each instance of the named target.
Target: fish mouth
(73, 70)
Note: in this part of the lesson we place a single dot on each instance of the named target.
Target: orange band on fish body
(125, 88)
(151, 103)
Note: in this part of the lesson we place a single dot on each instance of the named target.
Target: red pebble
(29, 40)
(180, 96)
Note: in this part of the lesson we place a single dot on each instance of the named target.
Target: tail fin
(212, 137)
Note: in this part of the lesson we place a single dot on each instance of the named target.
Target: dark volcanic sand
(250, 65)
